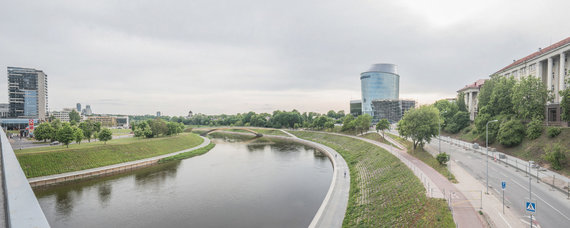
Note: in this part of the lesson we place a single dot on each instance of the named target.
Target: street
(552, 206)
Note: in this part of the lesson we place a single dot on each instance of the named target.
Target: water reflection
(242, 182)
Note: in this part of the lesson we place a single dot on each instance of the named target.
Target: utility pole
(487, 147)
(530, 192)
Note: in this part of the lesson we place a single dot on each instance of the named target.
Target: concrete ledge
(106, 170)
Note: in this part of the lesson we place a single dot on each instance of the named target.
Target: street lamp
(487, 147)
(439, 131)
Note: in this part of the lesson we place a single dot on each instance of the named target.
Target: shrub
(553, 131)
(459, 121)
(442, 158)
(534, 129)
(511, 133)
(556, 156)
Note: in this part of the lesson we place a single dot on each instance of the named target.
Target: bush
(556, 156)
(553, 131)
(442, 158)
(534, 129)
(511, 133)
(459, 121)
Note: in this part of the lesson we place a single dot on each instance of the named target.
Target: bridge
(257, 134)
(19, 207)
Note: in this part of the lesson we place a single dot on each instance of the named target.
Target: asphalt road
(552, 207)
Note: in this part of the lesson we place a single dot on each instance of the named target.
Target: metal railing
(21, 205)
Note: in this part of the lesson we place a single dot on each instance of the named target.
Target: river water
(239, 183)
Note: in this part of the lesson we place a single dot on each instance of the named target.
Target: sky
(213, 57)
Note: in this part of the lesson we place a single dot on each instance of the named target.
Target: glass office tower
(27, 93)
(380, 82)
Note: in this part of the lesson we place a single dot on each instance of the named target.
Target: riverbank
(382, 187)
(113, 169)
(52, 160)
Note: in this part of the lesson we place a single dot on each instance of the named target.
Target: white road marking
(543, 201)
(503, 218)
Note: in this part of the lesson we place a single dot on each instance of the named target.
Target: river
(239, 183)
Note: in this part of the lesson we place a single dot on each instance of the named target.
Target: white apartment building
(62, 115)
(549, 64)
(471, 92)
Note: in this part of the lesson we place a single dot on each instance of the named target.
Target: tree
(65, 135)
(348, 123)
(44, 131)
(331, 114)
(459, 121)
(88, 129)
(329, 125)
(461, 102)
(382, 125)
(105, 135)
(56, 126)
(420, 125)
(158, 127)
(500, 102)
(511, 133)
(74, 116)
(362, 122)
(556, 155)
(565, 103)
(534, 129)
(447, 110)
(78, 135)
(529, 98)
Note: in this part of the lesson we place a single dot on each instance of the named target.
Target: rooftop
(537, 53)
(475, 85)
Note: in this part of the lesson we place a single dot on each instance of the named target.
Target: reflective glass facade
(381, 82)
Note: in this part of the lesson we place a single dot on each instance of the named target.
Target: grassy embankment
(188, 154)
(528, 149)
(425, 156)
(377, 137)
(383, 191)
(269, 131)
(120, 131)
(56, 159)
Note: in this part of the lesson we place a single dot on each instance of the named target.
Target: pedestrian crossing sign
(530, 207)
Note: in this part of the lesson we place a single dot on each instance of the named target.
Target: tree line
(66, 133)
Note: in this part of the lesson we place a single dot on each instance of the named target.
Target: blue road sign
(503, 185)
(530, 207)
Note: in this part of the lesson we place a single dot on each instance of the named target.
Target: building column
(538, 70)
(562, 74)
(549, 74)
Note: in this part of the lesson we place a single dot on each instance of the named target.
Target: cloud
(236, 56)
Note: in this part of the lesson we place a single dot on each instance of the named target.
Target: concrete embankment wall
(106, 170)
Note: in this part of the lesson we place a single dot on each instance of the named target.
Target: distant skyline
(217, 57)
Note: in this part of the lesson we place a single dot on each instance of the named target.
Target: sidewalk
(474, 191)
(551, 178)
(437, 185)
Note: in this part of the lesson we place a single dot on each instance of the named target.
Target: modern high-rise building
(380, 82)
(87, 111)
(27, 93)
(78, 107)
(392, 110)
(158, 114)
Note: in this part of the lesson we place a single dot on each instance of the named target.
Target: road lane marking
(543, 201)
(503, 218)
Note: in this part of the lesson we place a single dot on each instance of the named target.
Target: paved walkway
(332, 210)
(2, 203)
(101, 170)
(437, 185)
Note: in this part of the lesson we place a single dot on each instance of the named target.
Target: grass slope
(188, 154)
(528, 149)
(383, 191)
(377, 137)
(54, 160)
(269, 131)
(425, 157)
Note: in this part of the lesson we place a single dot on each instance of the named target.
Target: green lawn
(377, 137)
(269, 131)
(56, 159)
(383, 191)
(425, 156)
(120, 131)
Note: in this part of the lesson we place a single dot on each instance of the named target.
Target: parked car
(475, 146)
(54, 143)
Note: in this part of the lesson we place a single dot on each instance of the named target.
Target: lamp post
(439, 131)
(487, 147)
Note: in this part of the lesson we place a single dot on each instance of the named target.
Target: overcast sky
(212, 57)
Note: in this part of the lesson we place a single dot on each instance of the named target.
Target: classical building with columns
(471, 91)
(551, 65)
